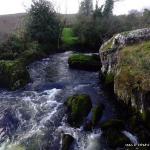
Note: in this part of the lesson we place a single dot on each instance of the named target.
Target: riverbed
(34, 117)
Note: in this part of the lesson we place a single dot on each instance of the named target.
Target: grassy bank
(68, 37)
(134, 68)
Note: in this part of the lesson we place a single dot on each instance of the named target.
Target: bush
(13, 74)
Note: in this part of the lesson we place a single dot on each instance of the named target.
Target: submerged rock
(113, 124)
(79, 107)
(67, 141)
(112, 134)
(13, 74)
(97, 113)
(115, 139)
(84, 62)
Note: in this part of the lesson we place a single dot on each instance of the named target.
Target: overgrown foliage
(43, 24)
(99, 25)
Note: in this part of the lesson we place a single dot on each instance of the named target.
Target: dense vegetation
(40, 36)
(94, 26)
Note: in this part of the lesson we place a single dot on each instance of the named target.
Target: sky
(71, 6)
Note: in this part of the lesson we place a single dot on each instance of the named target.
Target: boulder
(79, 107)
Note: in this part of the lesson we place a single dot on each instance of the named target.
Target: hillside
(9, 23)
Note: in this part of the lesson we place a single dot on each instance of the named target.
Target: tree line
(94, 24)
(97, 24)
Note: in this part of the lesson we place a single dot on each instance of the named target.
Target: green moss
(146, 117)
(79, 106)
(68, 37)
(109, 78)
(84, 62)
(13, 74)
(96, 114)
(108, 45)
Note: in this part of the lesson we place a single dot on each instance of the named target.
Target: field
(68, 37)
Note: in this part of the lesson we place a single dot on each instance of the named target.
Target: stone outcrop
(109, 51)
(136, 93)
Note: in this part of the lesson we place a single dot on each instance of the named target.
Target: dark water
(34, 118)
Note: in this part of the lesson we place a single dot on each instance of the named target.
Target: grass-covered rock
(97, 113)
(84, 62)
(79, 107)
(13, 74)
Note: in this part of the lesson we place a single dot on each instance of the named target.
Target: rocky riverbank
(125, 68)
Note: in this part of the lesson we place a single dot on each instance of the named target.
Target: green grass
(134, 68)
(68, 37)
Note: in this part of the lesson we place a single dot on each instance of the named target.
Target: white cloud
(124, 6)
(70, 6)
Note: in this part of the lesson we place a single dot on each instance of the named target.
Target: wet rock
(113, 124)
(79, 107)
(84, 62)
(115, 139)
(97, 113)
(67, 141)
(139, 124)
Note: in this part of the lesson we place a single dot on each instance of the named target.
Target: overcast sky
(123, 7)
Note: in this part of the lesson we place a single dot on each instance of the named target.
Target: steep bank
(125, 60)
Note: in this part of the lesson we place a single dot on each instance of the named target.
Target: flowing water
(34, 117)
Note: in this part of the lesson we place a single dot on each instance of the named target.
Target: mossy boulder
(67, 141)
(109, 79)
(13, 74)
(115, 124)
(84, 62)
(146, 117)
(112, 133)
(79, 107)
(115, 139)
(97, 113)
(139, 124)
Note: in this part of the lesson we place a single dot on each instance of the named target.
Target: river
(34, 117)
